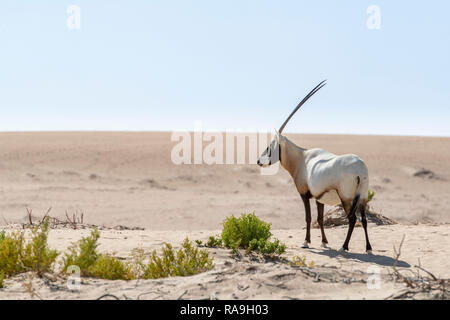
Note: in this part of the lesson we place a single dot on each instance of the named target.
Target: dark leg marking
(320, 207)
(350, 210)
(362, 210)
(305, 198)
(351, 225)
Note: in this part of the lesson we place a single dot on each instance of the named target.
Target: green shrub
(251, 233)
(17, 255)
(214, 242)
(36, 255)
(266, 247)
(92, 264)
(301, 262)
(371, 194)
(83, 253)
(11, 247)
(187, 261)
(108, 267)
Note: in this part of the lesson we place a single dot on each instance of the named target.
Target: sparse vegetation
(214, 241)
(187, 261)
(371, 194)
(301, 262)
(37, 256)
(10, 252)
(247, 232)
(111, 268)
(83, 253)
(17, 255)
(93, 264)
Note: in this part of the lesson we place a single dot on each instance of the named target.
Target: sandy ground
(341, 276)
(128, 179)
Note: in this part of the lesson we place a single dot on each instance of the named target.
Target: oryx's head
(272, 154)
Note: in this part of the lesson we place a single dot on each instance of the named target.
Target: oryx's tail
(355, 201)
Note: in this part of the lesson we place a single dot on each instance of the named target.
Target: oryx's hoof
(324, 245)
(369, 252)
(342, 250)
(305, 244)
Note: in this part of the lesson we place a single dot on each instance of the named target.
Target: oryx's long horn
(317, 88)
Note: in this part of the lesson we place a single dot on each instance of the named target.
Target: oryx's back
(332, 178)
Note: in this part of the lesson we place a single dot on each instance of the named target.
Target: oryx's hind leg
(362, 210)
(305, 198)
(350, 209)
(320, 207)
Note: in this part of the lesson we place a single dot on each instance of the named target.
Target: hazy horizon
(160, 66)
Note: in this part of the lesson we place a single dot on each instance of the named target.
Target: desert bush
(109, 267)
(251, 233)
(36, 255)
(214, 241)
(301, 262)
(187, 261)
(2, 277)
(11, 247)
(266, 247)
(83, 253)
(17, 255)
(371, 194)
(93, 264)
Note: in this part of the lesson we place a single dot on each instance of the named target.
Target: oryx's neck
(291, 157)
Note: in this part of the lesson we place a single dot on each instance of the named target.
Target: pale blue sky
(161, 65)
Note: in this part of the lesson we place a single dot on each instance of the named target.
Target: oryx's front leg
(305, 198)
(320, 207)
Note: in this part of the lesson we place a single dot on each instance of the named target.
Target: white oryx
(319, 174)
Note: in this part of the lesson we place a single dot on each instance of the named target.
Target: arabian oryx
(326, 177)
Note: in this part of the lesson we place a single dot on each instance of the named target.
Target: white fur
(332, 178)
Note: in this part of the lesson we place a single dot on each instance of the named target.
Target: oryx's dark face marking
(271, 155)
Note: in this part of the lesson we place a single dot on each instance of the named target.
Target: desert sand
(128, 179)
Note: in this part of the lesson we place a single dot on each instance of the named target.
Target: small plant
(2, 277)
(251, 233)
(301, 262)
(11, 247)
(83, 253)
(17, 255)
(267, 247)
(136, 266)
(187, 261)
(199, 243)
(214, 242)
(109, 267)
(371, 194)
(93, 264)
(36, 255)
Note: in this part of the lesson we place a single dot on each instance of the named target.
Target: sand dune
(127, 179)
(341, 276)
